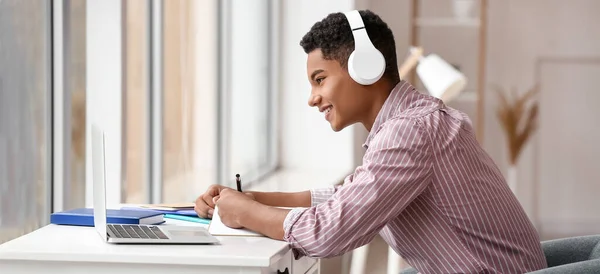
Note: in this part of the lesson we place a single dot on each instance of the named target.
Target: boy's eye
(319, 80)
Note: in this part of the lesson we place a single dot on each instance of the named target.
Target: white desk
(70, 249)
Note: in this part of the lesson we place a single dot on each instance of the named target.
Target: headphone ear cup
(366, 66)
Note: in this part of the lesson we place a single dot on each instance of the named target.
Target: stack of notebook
(178, 211)
(85, 217)
(185, 209)
(150, 214)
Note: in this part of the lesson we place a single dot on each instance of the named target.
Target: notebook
(183, 212)
(193, 219)
(218, 228)
(85, 217)
(170, 207)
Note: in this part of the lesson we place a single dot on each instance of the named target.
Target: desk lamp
(440, 79)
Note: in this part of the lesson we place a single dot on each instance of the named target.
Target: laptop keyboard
(136, 231)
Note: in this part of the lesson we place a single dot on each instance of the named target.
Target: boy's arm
(266, 218)
(395, 172)
(307, 198)
(283, 199)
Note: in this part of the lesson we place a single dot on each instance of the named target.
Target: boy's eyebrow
(314, 73)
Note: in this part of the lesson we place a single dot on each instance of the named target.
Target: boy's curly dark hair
(333, 36)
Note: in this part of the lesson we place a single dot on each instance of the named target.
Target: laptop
(134, 233)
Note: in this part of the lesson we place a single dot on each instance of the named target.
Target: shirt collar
(389, 108)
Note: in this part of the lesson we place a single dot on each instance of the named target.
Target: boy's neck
(381, 91)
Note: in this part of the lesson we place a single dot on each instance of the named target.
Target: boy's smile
(327, 111)
(342, 101)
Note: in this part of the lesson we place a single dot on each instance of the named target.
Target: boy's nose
(314, 100)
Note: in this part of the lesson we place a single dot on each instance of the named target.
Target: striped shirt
(429, 189)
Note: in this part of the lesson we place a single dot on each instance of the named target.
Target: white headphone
(366, 64)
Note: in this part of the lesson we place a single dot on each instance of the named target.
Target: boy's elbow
(322, 253)
(334, 249)
(326, 251)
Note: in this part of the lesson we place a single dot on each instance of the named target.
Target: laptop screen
(98, 180)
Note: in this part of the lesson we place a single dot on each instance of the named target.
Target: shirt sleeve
(395, 170)
(319, 195)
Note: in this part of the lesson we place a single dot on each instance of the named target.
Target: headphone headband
(359, 32)
(354, 20)
(365, 64)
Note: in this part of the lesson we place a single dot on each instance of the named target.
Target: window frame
(59, 122)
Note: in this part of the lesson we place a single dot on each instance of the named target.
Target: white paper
(217, 228)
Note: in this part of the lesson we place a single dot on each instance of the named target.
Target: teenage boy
(425, 184)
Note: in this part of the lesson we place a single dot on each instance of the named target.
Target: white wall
(568, 148)
(103, 82)
(307, 141)
(566, 190)
(520, 32)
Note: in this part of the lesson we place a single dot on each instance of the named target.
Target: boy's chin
(337, 126)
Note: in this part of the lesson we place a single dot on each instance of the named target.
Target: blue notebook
(85, 217)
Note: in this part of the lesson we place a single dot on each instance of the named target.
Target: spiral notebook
(218, 228)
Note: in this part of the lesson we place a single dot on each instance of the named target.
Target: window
(217, 96)
(25, 97)
(197, 97)
(74, 93)
(194, 105)
(247, 58)
(189, 98)
(136, 110)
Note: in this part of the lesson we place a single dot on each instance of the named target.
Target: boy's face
(342, 101)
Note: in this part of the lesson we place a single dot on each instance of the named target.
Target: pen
(238, 181)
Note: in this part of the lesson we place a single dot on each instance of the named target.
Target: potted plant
(518, 117)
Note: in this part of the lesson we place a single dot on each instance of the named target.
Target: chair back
(572, 255)
(595, 254)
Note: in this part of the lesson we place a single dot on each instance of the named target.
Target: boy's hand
(205, 205)
(232, 205)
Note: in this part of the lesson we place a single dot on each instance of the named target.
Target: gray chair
(572, 255)
(579, 255)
